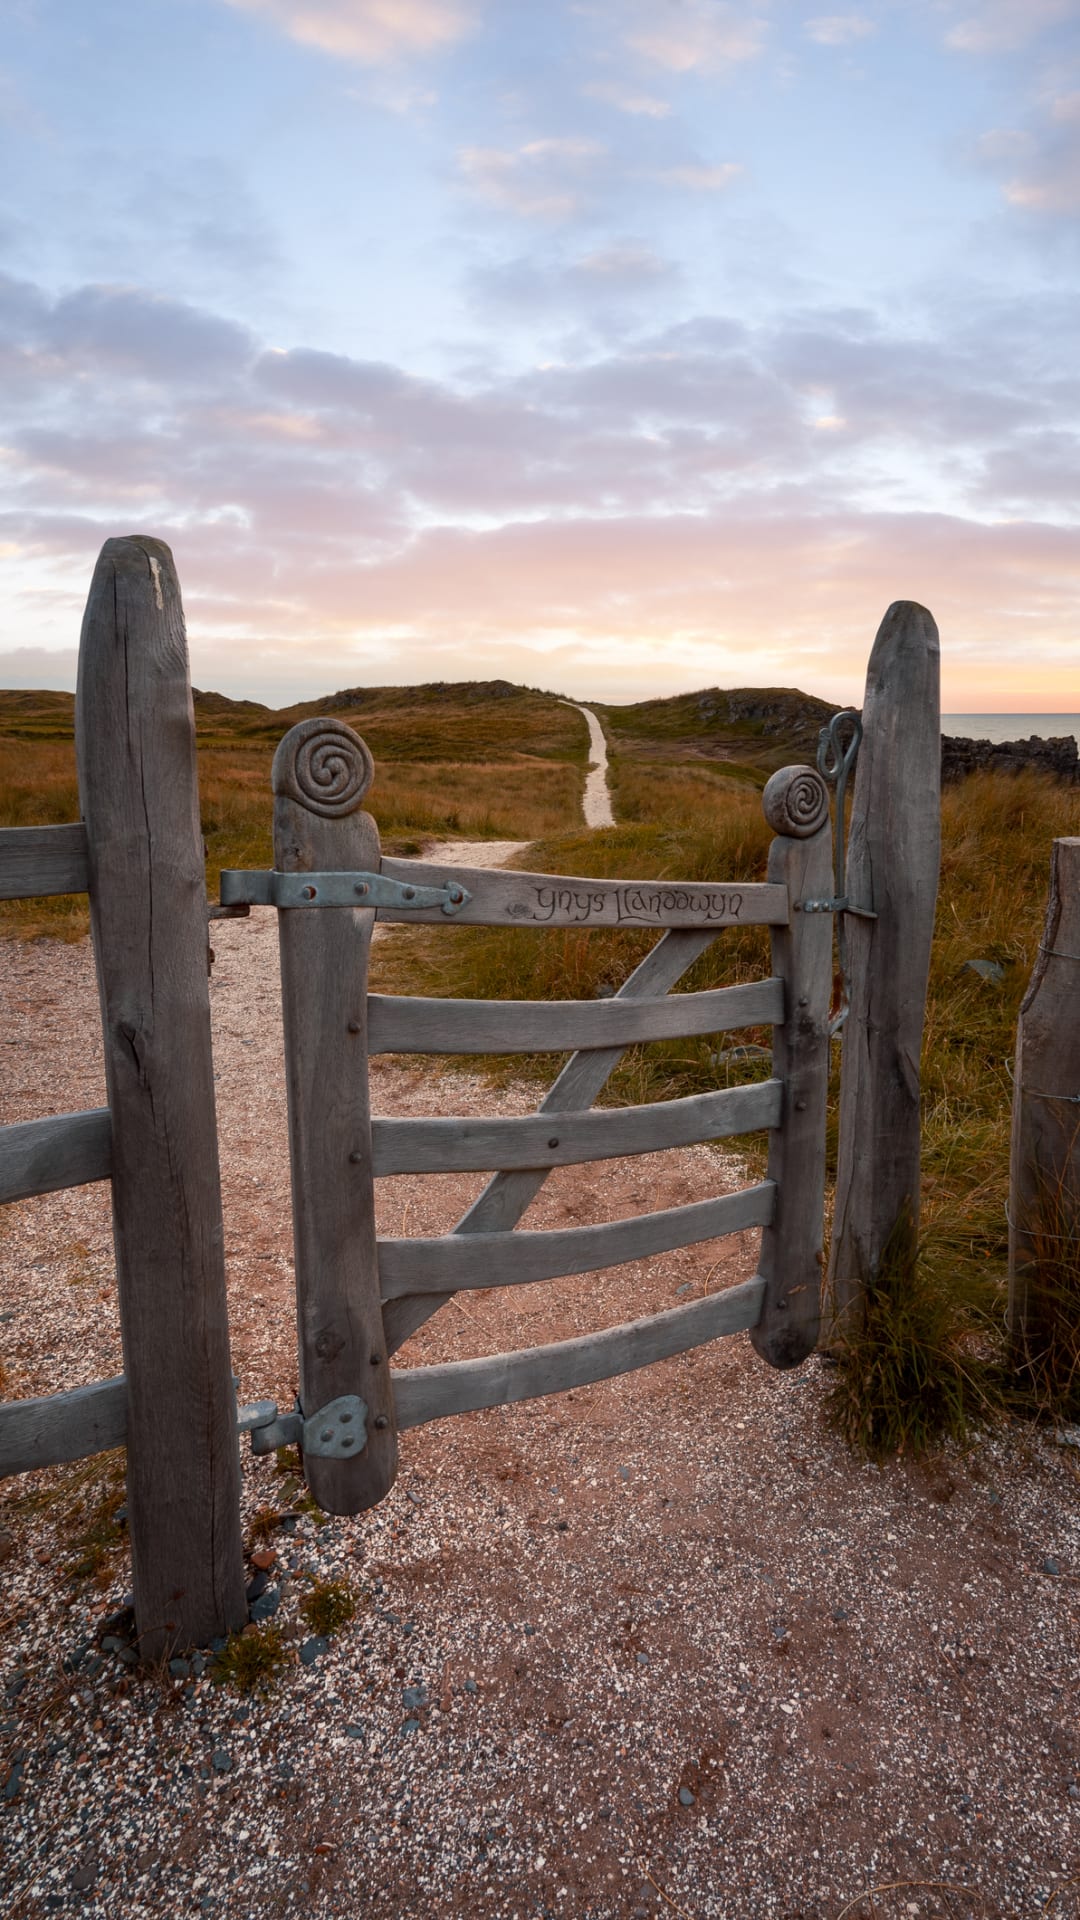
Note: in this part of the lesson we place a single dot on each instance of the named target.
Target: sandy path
(596, 804)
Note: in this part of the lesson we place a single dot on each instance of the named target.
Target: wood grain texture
(1044, 1169)
(464, 1144)
(66, 1150)
(790, 1262)
(40, 860)
(462, 1386)
(507, 1195)
(45, 1432)
(892, 868)
(415, 1025)
(458, 1260)
(320, 774)
(502, 898)
(135, 741)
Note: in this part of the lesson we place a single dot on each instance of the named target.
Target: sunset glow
(619, 348)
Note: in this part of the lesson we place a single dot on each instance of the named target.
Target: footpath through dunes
(656, 1645)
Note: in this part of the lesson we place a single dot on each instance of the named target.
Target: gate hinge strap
(337, 1432)
(841, 904)
(271, 888)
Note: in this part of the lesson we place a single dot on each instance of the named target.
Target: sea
(1010, 726)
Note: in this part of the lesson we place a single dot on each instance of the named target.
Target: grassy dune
(482, 761)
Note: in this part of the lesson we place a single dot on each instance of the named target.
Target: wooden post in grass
(1044, 1171)
(135, 739)
(892, 868)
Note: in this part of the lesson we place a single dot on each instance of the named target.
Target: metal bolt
(375, 1359)
(804, 1002)
(554, 1143)
(800, 1106)
(327, 1433)
(409, 893)
(354, 1026)
(345, 1418)
(309, 893)
(361, 886)
(348, 1439)
(381, 1421)
(355, 1159)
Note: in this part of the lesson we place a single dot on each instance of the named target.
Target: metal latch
(269, 888)
(337, 1432)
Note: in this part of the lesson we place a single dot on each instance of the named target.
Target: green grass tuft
(252, 1661)
(329, 1606)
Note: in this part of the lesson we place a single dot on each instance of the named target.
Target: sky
(620, 347)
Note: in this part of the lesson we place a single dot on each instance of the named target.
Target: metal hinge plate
(839, 905)
(269, 888)
(337, 1432)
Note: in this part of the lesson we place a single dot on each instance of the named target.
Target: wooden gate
(359, 1297)
(138, 853)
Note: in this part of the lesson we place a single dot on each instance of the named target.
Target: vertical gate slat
(790, 1262)
(321, 772)
(135, 735)
(893, 861)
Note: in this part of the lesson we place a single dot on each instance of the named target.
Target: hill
(493, 720)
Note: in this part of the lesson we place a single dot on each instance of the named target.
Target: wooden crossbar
(42, 860)
(458, 1260)
(415, 1025)
(464, 1144)
(501, 897)
(66, 1150)
(462, 1386)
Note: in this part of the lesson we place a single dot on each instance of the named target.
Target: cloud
(542, 180)
(702, 179)
(839, 29)
(369, 32)
(145, 335)
(1039, 163)
(695, 36)
(999, 26)
(716, 499)
(626, 100)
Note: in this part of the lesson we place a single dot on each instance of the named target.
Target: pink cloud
(369, 32)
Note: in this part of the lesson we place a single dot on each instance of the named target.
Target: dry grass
(508, 794)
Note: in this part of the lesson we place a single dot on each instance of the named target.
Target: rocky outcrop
(959, 757)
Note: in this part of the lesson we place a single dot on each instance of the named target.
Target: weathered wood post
(1044, 1171)
(796, 805)
(321, 771)
(894, 851)
(135, 739)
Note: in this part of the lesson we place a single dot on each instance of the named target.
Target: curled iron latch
(838, 747)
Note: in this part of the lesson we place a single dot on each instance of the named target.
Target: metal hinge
(270, 888)
(337, 1432)
(840, 905)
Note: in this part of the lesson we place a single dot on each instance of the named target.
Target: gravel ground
(657, 1646)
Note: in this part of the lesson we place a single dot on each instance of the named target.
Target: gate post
(135, 740)
(321, 772)
(1044, 1170)
(796, 806)
(892, 869)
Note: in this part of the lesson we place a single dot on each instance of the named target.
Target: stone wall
(960, 757)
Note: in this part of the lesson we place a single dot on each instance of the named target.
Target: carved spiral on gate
(796, 802)
(324, 766)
